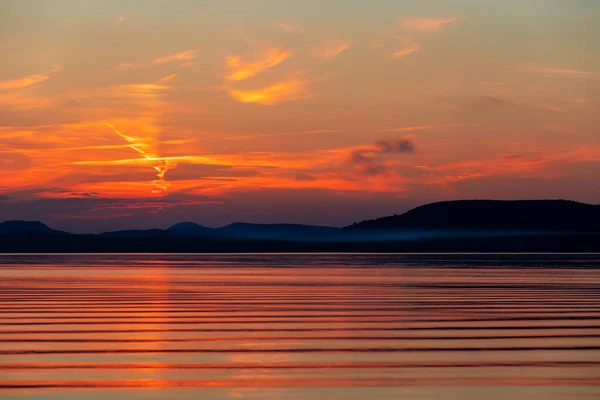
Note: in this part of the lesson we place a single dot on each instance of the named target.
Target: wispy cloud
(557, 72)
(168, 78)
(120, 21)
(287, 27)
(183, 56)
(410, 48)
(429, 24)
(29, 80)
(409, 128)
(313, 132)
(267, 59)
(514, 165)
(332, 49)
(292, 89)
(128, 66)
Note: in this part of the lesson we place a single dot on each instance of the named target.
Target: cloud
(514, 165)
(486, 103)
(183, 56)
(287, 27)
(168, 78)
(312, 132)
(409, 128)
(368, 160)
(558, 72)
(30, 80)
(429, 24)
(292, 89)
(268, 59)
(410, 48)
(120, 21)
(13, 160)
(332, 49)
(128, 66)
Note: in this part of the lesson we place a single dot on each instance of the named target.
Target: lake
(313, 326)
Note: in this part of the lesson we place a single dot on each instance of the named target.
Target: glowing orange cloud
(273, 135)
(30, 80)
(127, 66)
(429, 24)
(409, 49)
(243, 70)
(286, 27)
(292, 89)
(183, 56)
(332, 50)
(120, 21)
(512, 165)
(552, 71)
(409, 128)
(168, 78)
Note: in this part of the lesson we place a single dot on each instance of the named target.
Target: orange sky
(273, 111)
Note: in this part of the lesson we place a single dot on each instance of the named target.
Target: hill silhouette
(455, 226)
(493, 215)
(26, 226)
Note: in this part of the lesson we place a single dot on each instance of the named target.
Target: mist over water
(461, 326)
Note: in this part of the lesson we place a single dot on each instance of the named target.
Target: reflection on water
(300, 327)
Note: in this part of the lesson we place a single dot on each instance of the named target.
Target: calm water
(300, 327)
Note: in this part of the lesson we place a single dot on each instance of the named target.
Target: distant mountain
(135, 233)
(291, 232)
(493, 215)
(452, 226)
(190, 229)
(25, 226)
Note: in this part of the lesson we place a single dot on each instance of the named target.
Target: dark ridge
(190, 229)
(489, 215)
(135, 233)
(276, 231)
(26, 226)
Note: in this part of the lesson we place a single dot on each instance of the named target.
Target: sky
(140, 114)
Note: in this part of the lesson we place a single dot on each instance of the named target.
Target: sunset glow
(304, 111)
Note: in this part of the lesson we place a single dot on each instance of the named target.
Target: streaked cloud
(514, 165)
(409, 128)
(183, 56)
(265, 60)
(429, 24)
(127, 66)
(287, 27)
(120, 21)
(410, 48)
(274, 135)
(332, 49)
(558, 72)
(292, 89)
(29, 80)
(168, 78)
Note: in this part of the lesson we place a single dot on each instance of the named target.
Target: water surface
(300, 326)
